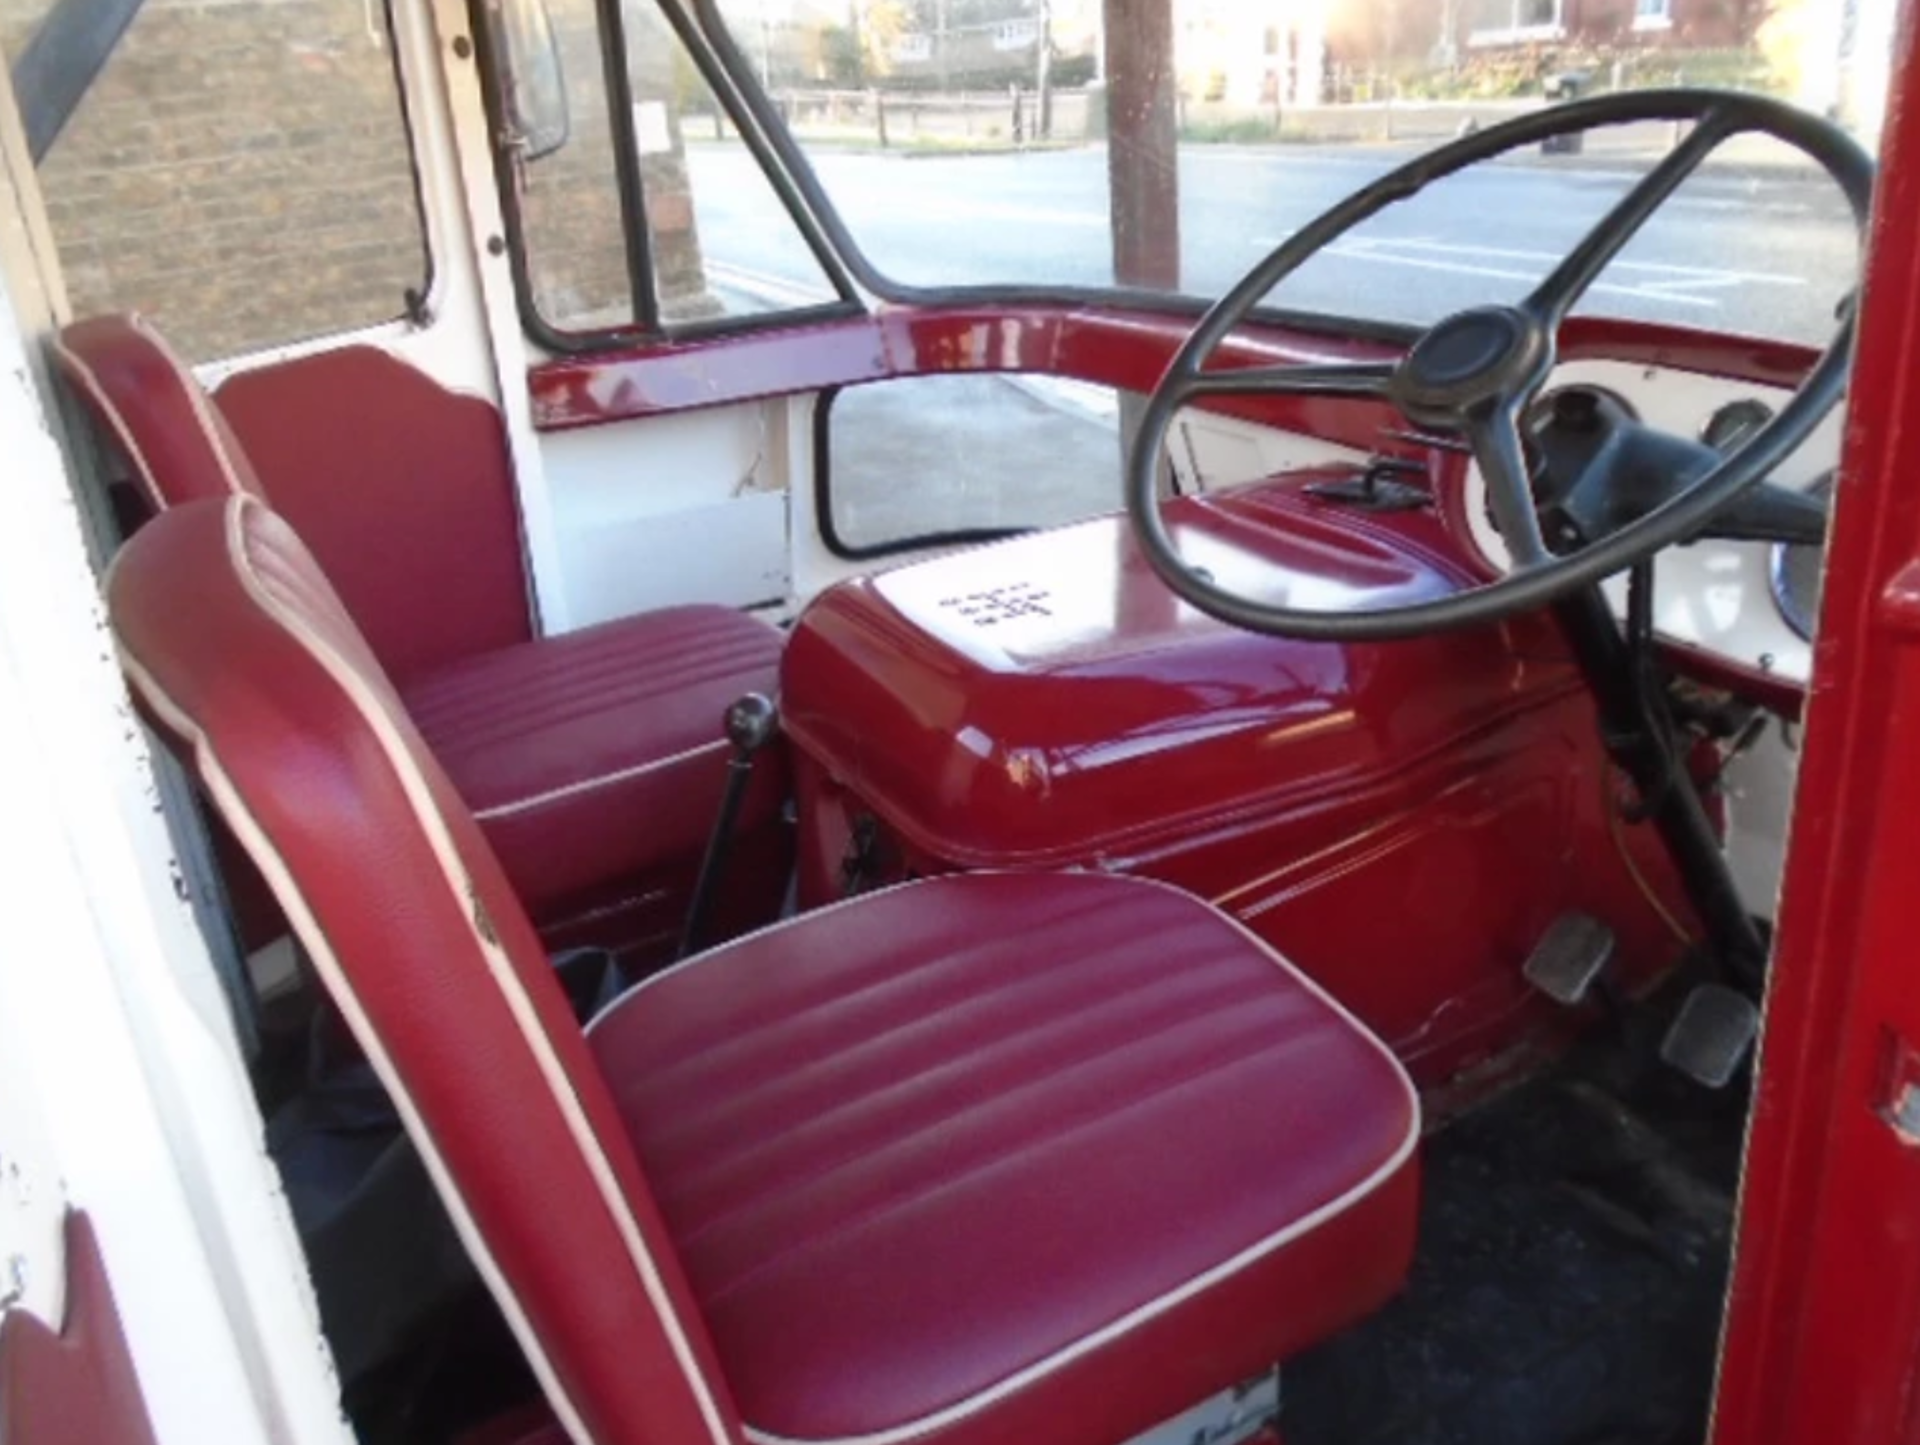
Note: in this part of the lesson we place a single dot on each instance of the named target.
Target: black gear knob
(750, 722)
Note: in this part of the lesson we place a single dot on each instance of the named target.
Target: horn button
(1468, 359)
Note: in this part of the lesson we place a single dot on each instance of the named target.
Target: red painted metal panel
(1402, 820)
(76, 1386)
(1823, 1337)
(1111, 345)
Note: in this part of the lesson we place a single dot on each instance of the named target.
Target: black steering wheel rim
(1481, 368)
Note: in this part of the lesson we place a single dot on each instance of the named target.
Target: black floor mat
(1569, 1279)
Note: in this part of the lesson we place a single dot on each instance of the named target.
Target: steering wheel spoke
(1471, 375)
(1494, 435)
(1555, 296)
(1332, 378)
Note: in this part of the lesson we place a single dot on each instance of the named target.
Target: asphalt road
(1753, 246)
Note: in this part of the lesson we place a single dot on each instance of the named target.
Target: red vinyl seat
(991, 1157)
(594, 760)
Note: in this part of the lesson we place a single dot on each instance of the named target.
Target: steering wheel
(1623, 491)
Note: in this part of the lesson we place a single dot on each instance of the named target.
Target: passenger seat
(594, 760)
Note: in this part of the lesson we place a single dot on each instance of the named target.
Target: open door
(1824, 1321)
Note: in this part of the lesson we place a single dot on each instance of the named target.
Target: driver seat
(981, 1158)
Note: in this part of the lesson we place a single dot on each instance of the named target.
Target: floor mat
(1569, 1280)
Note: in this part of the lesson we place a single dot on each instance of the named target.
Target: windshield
(1033, 143)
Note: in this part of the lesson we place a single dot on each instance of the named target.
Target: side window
(239, 173)
(910, 462)
(653, 215)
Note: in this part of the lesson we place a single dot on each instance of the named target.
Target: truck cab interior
(735, 937)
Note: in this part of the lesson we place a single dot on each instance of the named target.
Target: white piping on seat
(717, 952)
(104, 407)
(197, 401)
(374, 713)
(588, 785)
(253, 837)
(1160, 1304)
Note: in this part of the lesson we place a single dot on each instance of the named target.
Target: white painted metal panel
(684, 508)
(123, 1091)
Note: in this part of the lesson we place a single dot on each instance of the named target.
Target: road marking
(1665, 281)
(1499, 273)
(1703, 274)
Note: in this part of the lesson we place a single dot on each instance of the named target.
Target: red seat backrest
(180, 447)
(239, 648)
(400, 487)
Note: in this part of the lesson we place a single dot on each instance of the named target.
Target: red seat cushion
(1011, 1157)
(599, 755)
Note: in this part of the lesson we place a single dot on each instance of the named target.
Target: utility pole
(940, 42)
(1142, 160)
(1448, 45)
(1143, 177)
(1043, 75)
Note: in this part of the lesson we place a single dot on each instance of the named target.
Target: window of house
(1505, 21)
(241, 174)
(653, 215)
(1652, 14)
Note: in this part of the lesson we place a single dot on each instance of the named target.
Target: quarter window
(653, 215)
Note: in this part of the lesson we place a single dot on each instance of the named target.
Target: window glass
(239, 173)
(570, 222)
(927, 456)
(993, 136)
(719, 243)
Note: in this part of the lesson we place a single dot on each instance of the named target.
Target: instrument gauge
(1733, 424)
(1795, 574)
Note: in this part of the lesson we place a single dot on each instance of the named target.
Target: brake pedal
(1570, 955)
(1711, 1034)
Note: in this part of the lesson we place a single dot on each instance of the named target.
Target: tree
(842, 58)
(884, 23)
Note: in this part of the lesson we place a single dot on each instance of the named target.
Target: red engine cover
(1403, 819)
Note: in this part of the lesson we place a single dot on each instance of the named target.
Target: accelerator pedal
(1570, 955)
(1711, 1034)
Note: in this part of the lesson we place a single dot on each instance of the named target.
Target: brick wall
(570, 203)
(239, 172)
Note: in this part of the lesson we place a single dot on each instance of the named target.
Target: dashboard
(1743, 606)
(1743, 603)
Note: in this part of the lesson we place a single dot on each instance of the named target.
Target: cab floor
(1570, 1273)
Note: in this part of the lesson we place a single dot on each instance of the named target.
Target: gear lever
(750, 723)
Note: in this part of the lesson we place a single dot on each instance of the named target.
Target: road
(1752, 247)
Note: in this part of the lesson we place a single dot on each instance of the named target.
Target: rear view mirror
(533, 83)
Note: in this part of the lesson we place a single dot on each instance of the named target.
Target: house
(986, 43)
(1271, 54)
(1694, 24)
